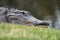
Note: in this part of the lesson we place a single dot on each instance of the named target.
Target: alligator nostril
(44, 24)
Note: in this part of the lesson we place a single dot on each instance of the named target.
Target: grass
(20, 32)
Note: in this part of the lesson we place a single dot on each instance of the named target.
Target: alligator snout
(37, 22)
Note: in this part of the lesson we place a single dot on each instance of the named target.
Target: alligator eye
(23, 13)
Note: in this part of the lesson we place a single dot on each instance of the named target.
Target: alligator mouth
(42, 24)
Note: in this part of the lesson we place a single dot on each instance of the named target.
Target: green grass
(19, 32)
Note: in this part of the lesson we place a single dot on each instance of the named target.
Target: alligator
(16, 16)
